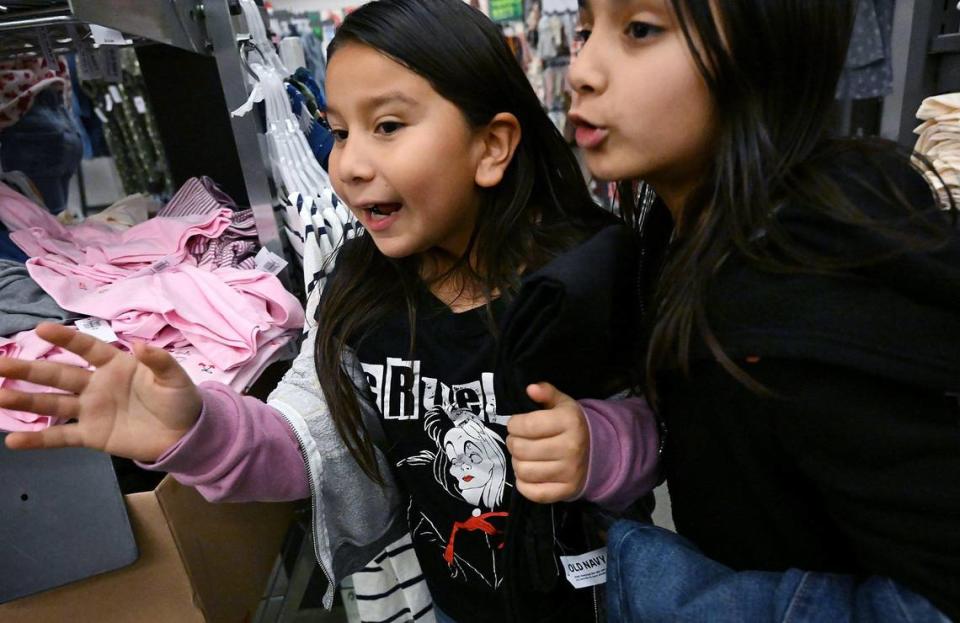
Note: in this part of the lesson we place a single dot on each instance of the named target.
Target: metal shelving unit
(213, 28)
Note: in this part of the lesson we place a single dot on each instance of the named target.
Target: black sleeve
(885, 460)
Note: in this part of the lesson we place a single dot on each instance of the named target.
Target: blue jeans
(46, 145)
(656, 575)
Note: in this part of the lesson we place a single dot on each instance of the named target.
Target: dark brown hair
(772, 69)
(534, 213)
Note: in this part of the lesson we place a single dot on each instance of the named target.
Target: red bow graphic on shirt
(474, 523)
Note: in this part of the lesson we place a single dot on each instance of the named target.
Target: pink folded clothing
(201, 369)
(140, 245)
(17, 212)
(225, 313)
(27, 345)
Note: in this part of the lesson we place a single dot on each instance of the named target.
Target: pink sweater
(243, 450)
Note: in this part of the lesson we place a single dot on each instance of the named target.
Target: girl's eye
(339, 135)
(388, 127)
(582, 35)
(642, 30)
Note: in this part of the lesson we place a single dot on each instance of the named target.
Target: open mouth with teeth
(381, 211)
(379, 216)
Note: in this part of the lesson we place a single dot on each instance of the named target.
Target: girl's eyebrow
(381, 100)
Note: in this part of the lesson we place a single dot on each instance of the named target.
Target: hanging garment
(27, 345)
(21, 80)
(45, 144)
(392, 588)
(868, 71)
(23, 304)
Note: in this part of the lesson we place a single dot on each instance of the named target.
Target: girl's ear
(499, 139)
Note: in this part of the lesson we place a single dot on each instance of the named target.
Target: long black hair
(536, 211)
(772, 68)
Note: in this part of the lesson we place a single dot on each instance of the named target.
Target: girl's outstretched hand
(550, 449)
(136, 406)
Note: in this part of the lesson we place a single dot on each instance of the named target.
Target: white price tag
(586, 570)
(100, 115)
(140, 104)
(88, 65)
(110, 66)
(107, 36)
(162, 264)
(108, 103)
(97, 328)
(269, 262)
(114, 93)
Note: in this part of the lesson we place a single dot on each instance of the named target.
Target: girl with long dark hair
(389, 419)
(804, 321)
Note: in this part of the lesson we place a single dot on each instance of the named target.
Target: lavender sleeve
(624, 451)
(240, 450)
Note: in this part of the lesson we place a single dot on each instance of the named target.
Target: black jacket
(852, 465)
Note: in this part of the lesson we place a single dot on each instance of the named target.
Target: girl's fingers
(65, 406)
(547, 493)
(61, 376)
(66, 435)
(535, 449)
(97, 353)
(164, 367)
(540, 472)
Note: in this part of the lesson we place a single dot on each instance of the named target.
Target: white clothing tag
(108, 103)
(139, 104)
(107, 36)
(110, 66)
(88, 65)
(586, 570)
(162, 264)
(114, 93)
(269, 262)
(99, 112)
(97, 328)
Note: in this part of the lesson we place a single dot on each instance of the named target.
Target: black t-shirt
(853, 464)
(446, 445)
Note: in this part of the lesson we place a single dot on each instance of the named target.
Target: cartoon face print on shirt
(470, 464)
(477, 460)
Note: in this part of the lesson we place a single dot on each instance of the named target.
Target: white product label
(108, 103)
(114, 93)
(88, 66)
(99, 112)
(107, 36)
(97, 328)
(110, 66)
(586, 570)
(139, 104)
(162, 264)
(269, 262)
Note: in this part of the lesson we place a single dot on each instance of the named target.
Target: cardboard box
(199, 563)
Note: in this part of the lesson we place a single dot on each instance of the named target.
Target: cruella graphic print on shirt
(447, 446)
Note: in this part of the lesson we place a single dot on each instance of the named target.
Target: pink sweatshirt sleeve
(240, 450)
(624, 448)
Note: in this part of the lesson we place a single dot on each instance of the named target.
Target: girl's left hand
(550, 448)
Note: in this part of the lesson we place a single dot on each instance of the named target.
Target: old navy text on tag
(269, 262)
(97, 328)
(586, 570)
